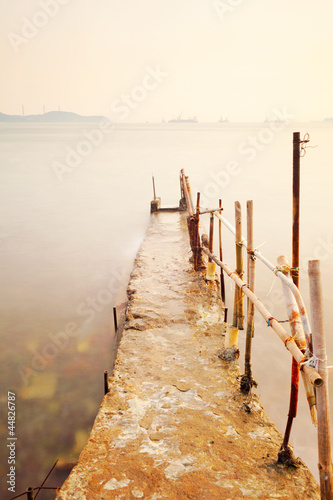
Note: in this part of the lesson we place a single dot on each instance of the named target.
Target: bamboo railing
(299, 343)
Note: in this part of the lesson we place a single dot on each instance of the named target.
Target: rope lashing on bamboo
(251, 253)
(303, 361)
(285, 269)
(279, 321)
(313, 362)
(288, 339)
(303, 143)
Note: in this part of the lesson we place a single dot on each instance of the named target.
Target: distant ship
(179, 119)
(223, 120)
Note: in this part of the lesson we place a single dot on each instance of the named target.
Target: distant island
(50, 117)
(328, 120)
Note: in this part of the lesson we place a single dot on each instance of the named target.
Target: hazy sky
(235, 58)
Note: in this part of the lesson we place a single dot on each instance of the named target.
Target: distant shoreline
(50, 117)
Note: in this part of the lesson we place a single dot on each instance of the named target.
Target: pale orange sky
(235, 58)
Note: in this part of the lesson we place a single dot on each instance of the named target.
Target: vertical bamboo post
(30, 493)
(250, 282)
(221, 255)
(211, 266)
(221, 270)
(106, 385)
(238, 320)
(297, 332)
(197, 252)
(319, 349)
(211, 234)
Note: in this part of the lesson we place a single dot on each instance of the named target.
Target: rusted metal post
(320, 358)
(296, 206)
(30, 493)
(198, 204)
(115, 319)
(106, 384)
(238, 319)
(285, 453)
(250, 282)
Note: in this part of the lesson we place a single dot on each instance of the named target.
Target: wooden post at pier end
(155, 204)
(320, 357)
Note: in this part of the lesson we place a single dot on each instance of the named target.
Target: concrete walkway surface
(174, 425)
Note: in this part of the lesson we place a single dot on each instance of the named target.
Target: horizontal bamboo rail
(313, 375)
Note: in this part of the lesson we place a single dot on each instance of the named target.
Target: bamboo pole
(311, 398)
(211, 233)
(319, 350)
(238, 319)
(221, 256)
(197, 254)
(314, 377)
(250, 282)
(299, 336)
(291, 305)
(221, 270)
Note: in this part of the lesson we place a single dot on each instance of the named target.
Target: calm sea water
(69, 232)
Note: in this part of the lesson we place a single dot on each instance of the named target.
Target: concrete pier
(174, 424)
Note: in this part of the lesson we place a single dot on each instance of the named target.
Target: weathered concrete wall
(174, 425)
